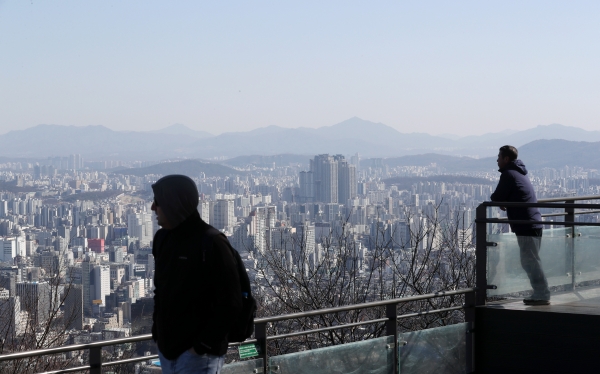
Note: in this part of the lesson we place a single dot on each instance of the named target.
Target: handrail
(417, 314)
(265, 320)
(363, 306)
(108, 363)
(527, 222)
(569, 198)
(540, 205)
(73, 347)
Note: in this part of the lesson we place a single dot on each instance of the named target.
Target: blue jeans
(191, 363)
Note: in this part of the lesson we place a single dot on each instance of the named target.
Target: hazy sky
(461, 67)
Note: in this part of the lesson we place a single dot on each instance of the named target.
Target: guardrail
(566, 203)
(95, 349)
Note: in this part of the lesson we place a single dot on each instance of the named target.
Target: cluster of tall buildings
(331, 179)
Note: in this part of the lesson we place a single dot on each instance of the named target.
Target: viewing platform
(558, 338)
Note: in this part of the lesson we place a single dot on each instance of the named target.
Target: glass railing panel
(587, 254)
(244, 367)
(504, 268)
(437, 350)
(374, 356)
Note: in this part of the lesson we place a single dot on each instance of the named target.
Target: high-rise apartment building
(325, 177)
(305, 237)
(331, 180)
(347, 184)
(35, 299)
(75, 162)
(3, 208)
(8, 246)
(11, 317)
(224, 214)
(307, 187)
(139, 225)
(257, 230)
(101, 283)
(204, 210)
(88, 283)
(73, 307)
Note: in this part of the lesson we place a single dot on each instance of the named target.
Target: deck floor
(580, 301)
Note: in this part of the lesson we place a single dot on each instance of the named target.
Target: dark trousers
(529, 243)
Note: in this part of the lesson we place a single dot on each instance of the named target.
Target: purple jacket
(515, 187)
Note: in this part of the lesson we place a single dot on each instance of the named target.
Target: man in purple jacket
(515, 187)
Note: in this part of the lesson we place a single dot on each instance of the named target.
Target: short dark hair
(510, 152)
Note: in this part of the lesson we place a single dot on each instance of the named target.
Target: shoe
(536, 302)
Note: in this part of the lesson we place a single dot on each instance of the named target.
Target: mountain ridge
(351, 136)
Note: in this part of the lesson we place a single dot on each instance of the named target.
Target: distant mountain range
(536, 155)
(179, 129)
(560, 153)
(349, 137)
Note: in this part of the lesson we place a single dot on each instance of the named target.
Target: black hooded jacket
(515, 187)
(197, 288)
(197, 292)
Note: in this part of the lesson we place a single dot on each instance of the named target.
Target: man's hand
(502, 208)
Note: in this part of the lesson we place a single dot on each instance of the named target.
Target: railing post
(480, 255)
(391, 329)
(260, 333)
(96, 360)
(470, 338)
(570, 245)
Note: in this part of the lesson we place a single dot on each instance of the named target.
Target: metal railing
(566, 203)
(95, 349)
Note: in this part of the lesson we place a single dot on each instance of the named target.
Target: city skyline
(76, 249)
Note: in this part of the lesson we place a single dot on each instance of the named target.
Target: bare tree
(434, 255)
(39, 317)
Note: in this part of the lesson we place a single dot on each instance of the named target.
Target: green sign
(248, 350)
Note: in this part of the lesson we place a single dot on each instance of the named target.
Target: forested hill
(405, 183)
(191, 168)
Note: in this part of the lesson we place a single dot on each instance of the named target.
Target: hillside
(191, 168)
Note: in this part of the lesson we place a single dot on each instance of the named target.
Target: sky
(440, 67)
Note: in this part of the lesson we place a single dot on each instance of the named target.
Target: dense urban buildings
(75, 238)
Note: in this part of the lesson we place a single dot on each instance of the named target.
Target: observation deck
(556, 338)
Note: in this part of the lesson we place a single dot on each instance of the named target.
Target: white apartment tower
(139, 225)
(224, 214)
(9, 249)
(101, 282)
(204, 210)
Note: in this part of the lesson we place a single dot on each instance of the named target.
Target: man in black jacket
(197, 289)
(515, 186)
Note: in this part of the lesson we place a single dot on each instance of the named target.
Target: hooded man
(197, 287)
(515, 187)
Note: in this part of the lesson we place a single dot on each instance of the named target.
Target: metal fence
(95, 349)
